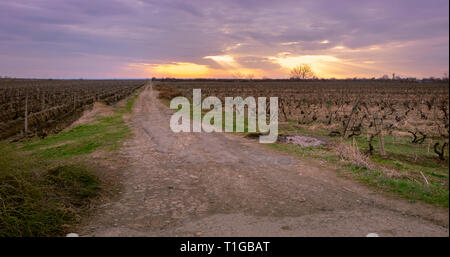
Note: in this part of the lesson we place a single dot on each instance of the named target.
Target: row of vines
(351, 108)
(38, 107)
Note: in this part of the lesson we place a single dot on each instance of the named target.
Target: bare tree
(302, 71)
(237, 75)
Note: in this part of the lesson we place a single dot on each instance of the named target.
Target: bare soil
(98, 110)
(217, 184)
(304, 141)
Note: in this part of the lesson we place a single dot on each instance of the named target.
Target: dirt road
(217, 184)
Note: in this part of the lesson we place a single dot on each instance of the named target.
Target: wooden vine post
(354, 109)
(379, 135)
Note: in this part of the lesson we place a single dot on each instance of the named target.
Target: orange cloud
(180, 70)
(338, 62)
(194, 70)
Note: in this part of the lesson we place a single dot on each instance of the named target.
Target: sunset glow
(180, 69)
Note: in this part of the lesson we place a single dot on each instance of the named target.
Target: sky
(223, 38)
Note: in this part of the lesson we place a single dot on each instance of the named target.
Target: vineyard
(31, 107)
(346, 109)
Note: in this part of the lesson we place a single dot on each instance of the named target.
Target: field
(392, 135)
(48, 182)
(102, 149)
(348, 108)
(38, 107)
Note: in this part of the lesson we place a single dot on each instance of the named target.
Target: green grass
(129, 105)
(74, 180)
(107, 132)
(46, 184)
(404, 156)
(409, 160)
(434, 193)
(166, 102)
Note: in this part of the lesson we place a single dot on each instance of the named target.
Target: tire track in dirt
(217, 184)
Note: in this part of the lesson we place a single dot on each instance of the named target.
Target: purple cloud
(38, 36)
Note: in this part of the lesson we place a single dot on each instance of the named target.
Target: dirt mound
(304, 141)
(98, 110)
